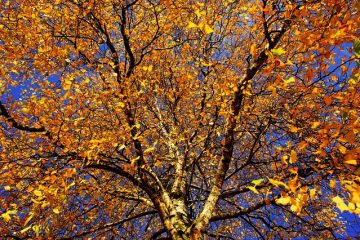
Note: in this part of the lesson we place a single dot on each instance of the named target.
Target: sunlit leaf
(293, 157)
(283, 200)
(25, 229)
(340, 203)
(192, 25)
(351, 162)
(278, 51)
(277, 183)
(253, 189)
(256, 182)
(208, 29)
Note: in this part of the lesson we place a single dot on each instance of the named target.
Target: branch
(121, 172)
(17, 125)
(110, 225)
(202, 221)
(127, 42)
(242, 212)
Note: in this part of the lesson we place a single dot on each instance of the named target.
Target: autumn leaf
(192, 25)
(340, 203)
(200, 13)
(47, 10)
(315, 124)
(294, 129)
(208, 29)
(253, 189)
(342, 149)
(253, 49)
(312, 193)
(293, 184)
(7, 215)
(293, 157)
(38, 193)
(120, 104)
(278, 51)
(332, 183)
(139, 113)
(148, 68)
(290, 80)
(256, 182)
(351, 162)
(327, 100)
(25, 229)
(283, 200)
(277, 183)
(303, 145)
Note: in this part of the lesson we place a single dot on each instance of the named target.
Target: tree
(178, 119)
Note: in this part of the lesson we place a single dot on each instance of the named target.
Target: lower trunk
(194, 234)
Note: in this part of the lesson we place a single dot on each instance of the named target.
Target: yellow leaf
(289, 62)
(312, 193)
(25, 110)
(149, 149)
(277, 183)
(294, 129)
(253, 189)
(47, 10)
(293, 157)
(342, 149)
(295, 208)
(148, 68)
(340, 203)
(351, 161)
(315, 124)
(36, 229)
(278, 51)
(257, 181)
(70, 185)
(290, 80)
(7, 188)
(253, 49)
(121, 147)
(283, 200)
(38, 193)
(332, 183)
(208, 29)
(6, 217)
(25, 229)
(120, 104)
(284, 159)
(192, 25)
(35, 201)
(200, 13)
(56, 210)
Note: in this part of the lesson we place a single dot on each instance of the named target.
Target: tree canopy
(179, 119)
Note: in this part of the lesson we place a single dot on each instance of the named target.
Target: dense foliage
(180, 119)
